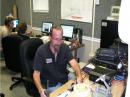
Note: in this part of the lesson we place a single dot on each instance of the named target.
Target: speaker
(78, 33)
(109, 32)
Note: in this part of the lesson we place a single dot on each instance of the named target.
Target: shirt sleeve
(39, 59)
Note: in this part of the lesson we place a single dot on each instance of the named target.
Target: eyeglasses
(57, 39)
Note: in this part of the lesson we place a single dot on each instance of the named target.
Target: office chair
(27, 53)
(11, 49)
(2, 95)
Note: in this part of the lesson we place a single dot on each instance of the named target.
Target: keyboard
(102, 70)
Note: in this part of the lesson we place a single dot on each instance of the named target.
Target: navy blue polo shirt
(52, 70)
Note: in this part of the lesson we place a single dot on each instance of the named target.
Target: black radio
(78, 33)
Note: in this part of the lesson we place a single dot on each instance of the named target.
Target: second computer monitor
(67, 31)
(46, 26)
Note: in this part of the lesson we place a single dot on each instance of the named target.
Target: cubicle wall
(54, 15)
(6, 9)
(0, 12)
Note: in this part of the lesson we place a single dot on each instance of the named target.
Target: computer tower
(109, 32)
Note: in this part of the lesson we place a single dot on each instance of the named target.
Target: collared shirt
(54, 70)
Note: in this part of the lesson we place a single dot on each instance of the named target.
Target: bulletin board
(77, 10)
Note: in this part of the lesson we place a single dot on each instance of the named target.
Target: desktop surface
(117, 88)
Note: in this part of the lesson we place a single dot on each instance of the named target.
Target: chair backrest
(11, 48)
(27, 52)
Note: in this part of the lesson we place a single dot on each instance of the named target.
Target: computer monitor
(46, 26)
(16, 22)
(67, 31)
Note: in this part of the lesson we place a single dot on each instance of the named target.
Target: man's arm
(77, 70)
(37, 80)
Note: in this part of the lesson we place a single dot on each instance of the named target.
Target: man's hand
(79, 80)
(43, 93)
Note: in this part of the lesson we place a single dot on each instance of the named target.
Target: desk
(117, 88)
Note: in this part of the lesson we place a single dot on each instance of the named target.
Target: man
(22, 30)
(5, 30)
(50, 64)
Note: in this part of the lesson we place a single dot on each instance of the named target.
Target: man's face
(11, 24)
(56, 39)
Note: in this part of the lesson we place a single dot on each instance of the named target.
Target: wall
(86, 52)
(23, 10)
(0, 12)
(102, 11)
(6, 9)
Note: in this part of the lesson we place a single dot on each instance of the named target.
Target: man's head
(56, 34)
(9, 22)
(21, 28)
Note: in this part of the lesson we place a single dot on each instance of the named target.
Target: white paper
(40, 5)
(77, 10)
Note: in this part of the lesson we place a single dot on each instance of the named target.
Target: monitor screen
(46, 26)
(67, 30)
(16, 22)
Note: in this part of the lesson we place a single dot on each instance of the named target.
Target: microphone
(107, 89)
(102, 78)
